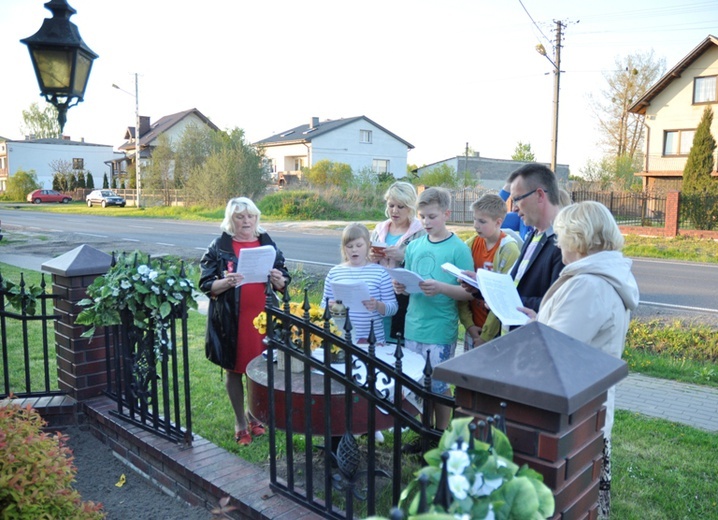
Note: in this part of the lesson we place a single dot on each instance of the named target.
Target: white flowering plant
(148, 289)
(482, 482)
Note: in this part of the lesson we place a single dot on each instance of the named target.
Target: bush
(36, 470)
(300, 205)
(20, 184)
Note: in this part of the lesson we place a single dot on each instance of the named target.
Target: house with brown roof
(173, 126)
(673, 107)
(357, 141)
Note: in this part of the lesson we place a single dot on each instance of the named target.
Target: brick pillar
(672, 213)
(81, 366)
(554, 387)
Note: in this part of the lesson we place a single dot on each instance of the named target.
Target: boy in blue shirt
(432, 318)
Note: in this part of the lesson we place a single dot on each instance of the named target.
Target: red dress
(251, 303)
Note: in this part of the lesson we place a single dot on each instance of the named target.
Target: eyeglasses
(522, 197)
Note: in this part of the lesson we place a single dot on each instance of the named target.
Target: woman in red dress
(232, 341)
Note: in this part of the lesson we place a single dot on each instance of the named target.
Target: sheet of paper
(455, 271)
(500, 293)
(408, 279)
(378, 245)
(255, 263)
(352, 293)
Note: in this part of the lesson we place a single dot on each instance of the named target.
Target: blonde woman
(593, 297)
(400, 228)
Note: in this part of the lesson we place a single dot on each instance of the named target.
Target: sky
(439, 74)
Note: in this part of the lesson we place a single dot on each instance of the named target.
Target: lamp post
(62, 61)
(556, 62)
(138, 146)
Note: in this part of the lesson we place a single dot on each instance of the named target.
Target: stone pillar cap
(538, 366)
(81, 261)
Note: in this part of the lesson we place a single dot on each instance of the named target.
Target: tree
(90, 181)
(613, 173)
(160, 174)
(232, 168)
(64, 177)
(81, 180)
(443, 175)
(621, 130)
(192, 150)
(327, 173)
(20, 184)
(41, 123)
(523, 153)
(699, 165)
(105, 183)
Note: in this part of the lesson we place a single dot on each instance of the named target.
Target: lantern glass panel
(54, 67)
(82, 74)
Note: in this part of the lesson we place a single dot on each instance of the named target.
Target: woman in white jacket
(593, 297)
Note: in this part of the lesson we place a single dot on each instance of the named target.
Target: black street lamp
(62, 61)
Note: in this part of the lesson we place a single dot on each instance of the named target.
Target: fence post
(672, 213)
(81, 368)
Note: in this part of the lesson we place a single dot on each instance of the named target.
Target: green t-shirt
(434, 319)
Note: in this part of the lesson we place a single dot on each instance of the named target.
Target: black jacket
(542, 271)
(223, 313)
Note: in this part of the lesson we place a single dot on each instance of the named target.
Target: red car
(39, 196)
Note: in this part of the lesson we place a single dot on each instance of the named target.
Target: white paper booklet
(352, 293)
(409, 279)
(455, 271)
(500, 293)
(254, 263)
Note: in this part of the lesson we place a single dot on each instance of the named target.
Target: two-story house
(673, 108)
(357, 141)
(39, 155)
(173, 126)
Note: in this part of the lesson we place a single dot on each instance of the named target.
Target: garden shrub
(298, 205)
(36, 470)
(696, 343)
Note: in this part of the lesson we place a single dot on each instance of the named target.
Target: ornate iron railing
(324, 408)
(25, 339)
(151, 388)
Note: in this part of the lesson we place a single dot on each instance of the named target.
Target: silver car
(105, 198)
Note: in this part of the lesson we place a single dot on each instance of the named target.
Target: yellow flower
(316, 316)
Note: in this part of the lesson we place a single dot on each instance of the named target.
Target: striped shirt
(380, 288)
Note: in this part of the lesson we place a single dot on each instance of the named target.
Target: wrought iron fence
(151, 388)
(29, 367)
(629, 208)
(461, 201)
(323, 410)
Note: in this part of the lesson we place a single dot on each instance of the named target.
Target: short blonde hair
(238, 205)
(352, 232)
(491, 205)
(405, 194)
(439, 196)
(587, 227)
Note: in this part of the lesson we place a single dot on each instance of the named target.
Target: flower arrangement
(476, 480)
(150, 291)
(316, 316)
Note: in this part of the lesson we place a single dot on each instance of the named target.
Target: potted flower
(474, 481)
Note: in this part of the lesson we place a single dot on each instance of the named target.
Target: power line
(534, 22)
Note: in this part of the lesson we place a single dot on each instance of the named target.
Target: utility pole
(138, 148)
(556, 85)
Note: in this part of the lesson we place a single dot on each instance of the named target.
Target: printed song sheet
(408, 279)
(352, 293)
(500, 293)
(455, 271)
(255, 263)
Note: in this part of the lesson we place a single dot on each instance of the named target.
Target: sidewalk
(683, 403)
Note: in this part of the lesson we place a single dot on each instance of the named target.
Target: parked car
(105, 198)
(39, 196)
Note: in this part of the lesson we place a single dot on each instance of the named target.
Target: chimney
(144, 125)
(314, 122)
(82, 139)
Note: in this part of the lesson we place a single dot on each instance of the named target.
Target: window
(705, 89)
(380, 166)
(298, 163)
(78, 164)
(365, 136)
(678, 142)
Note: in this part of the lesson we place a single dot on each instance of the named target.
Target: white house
(38, 154)
(357, 141)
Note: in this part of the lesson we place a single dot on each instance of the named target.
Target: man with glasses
(535, 197)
